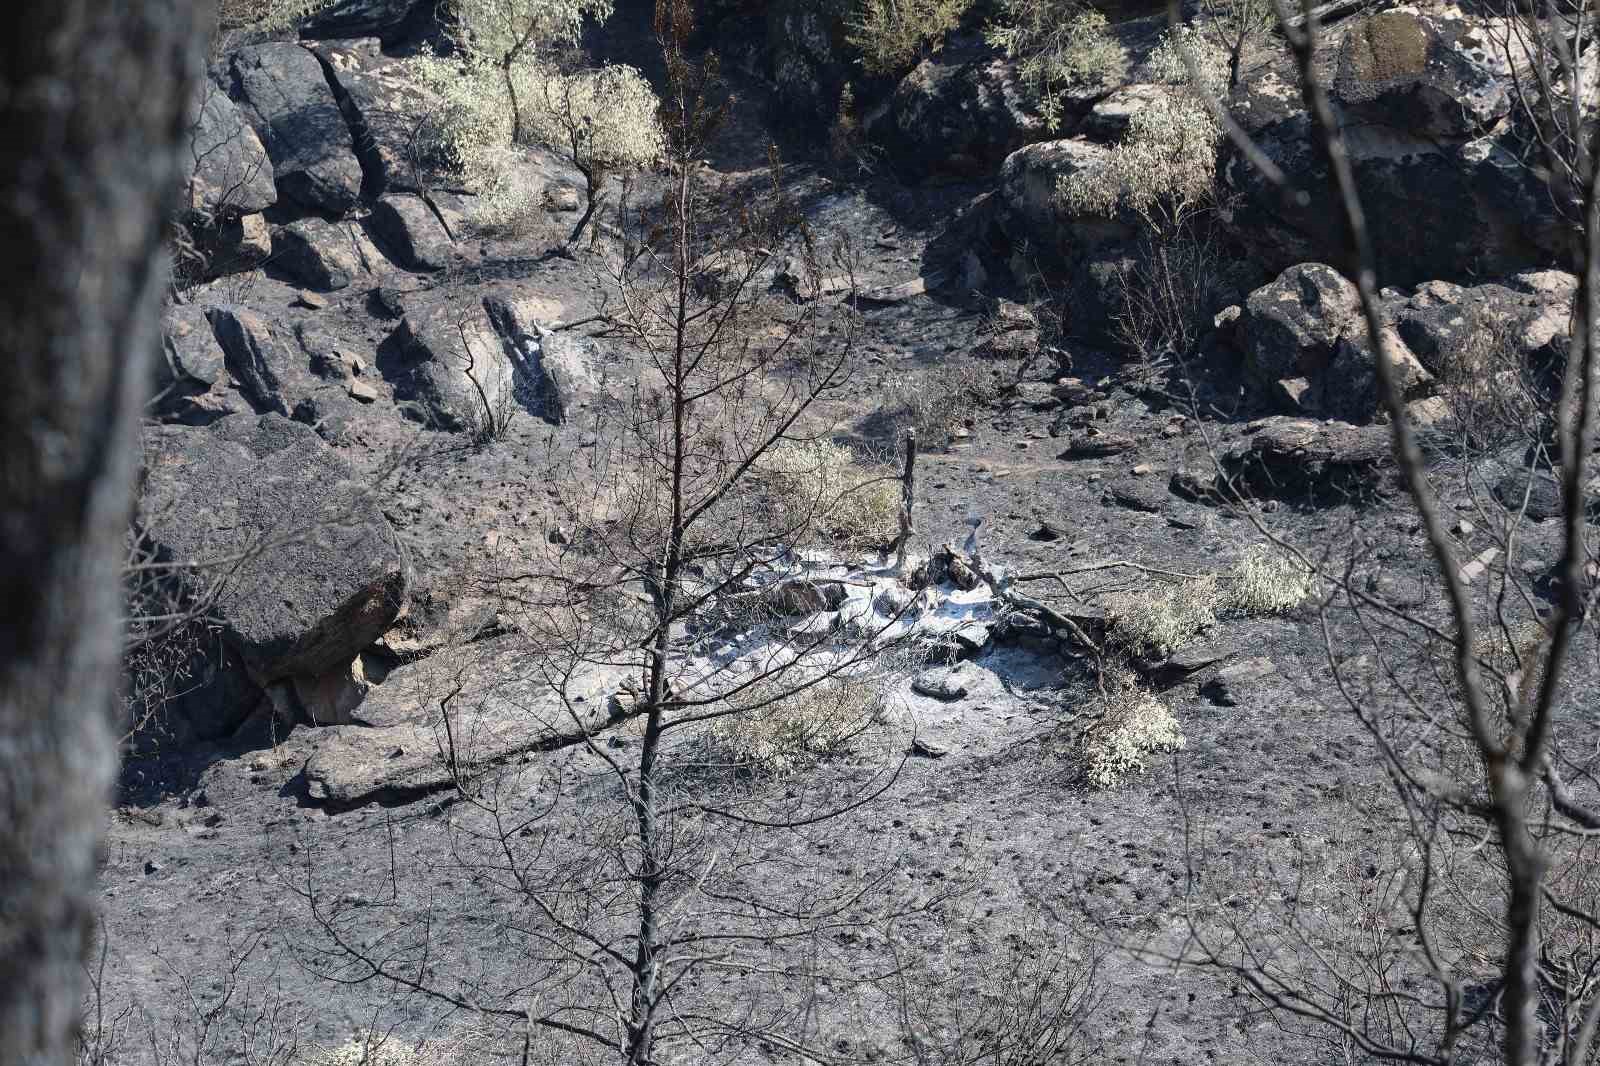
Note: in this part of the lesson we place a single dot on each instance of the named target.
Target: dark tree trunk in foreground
(92, 101)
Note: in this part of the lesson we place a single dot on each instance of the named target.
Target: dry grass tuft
(820, 492)
(777, 735)
(1266, 580)
(1154, 623)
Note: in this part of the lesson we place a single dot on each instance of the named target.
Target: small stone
(307, 298)
(1142, 468)
(940, 684)
(1233, 681)
(1045, 534)
(928, 749)
(564, 198)
(151, 866)
(1463, 528)
(363, 392)
(1478, 566)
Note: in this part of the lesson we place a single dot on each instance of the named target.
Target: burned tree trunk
(92, 109)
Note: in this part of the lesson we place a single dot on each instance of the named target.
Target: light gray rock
(500, 705)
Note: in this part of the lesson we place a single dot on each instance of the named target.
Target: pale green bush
(892, 35)
(1165, 167)
(1132, 725)
(266, 17)
(1157, 622)
(819, 491)
(502, 90)
(1058, 45)
(1266, 580)
(782, 735)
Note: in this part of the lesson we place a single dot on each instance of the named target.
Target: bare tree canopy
(91, 114)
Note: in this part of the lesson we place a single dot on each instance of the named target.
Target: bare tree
(92, 97)
(677, 544)
(1468, 927)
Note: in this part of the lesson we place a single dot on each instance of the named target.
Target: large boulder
(556, 371)
(1308, 349)
(1307, 459)
(389, 114)
(272, 371)
(1426, 128)
(257, 359)
(450, 369)
(1528, 316)
(303, 569)
(1030, 212)
(1395, 69)
(318, 254)
(960, 112)
(288, 99)
(192, 380)
(413, 234)
(229, 172)
(503, 700)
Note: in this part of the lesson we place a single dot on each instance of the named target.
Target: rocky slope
(325, 390)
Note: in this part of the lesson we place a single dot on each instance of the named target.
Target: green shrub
(503, 90)
(892, 35)
(782, 735)
(1132, 724)
(1164, 169)
(1058, 45)
(1156, 622)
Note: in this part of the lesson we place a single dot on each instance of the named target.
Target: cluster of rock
(305, 164)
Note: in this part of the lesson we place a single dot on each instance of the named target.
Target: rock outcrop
(300, 565)
(1425, 123)
(288, 100)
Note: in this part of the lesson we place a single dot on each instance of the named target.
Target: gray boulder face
(413, 234)
(272, 371)
(1425, 128)
(1528, 317)
(449, 367)
(1292, 324)
(382, 105)
(192, 382)
(807, 60)
(961, 112)
(257, 360)
(504, 704)
(1307, 459)
(1397, 70)
(1307, 348)
(229, 172)
(287, 97)
(391, 21)
(313, 572)
(1029, 211)
(318, 254)
(555, 371)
